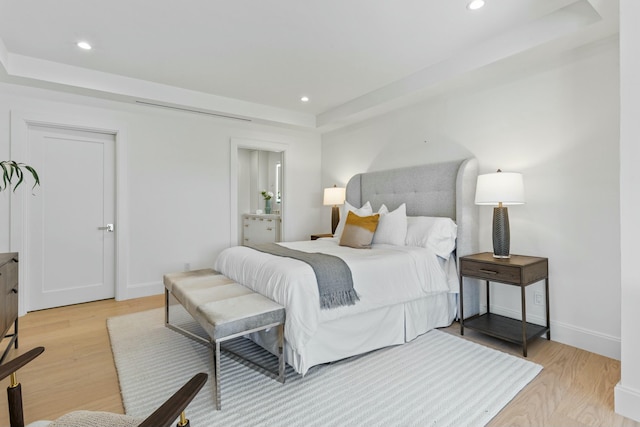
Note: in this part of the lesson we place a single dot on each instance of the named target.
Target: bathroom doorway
(257, 166)
(259, 171)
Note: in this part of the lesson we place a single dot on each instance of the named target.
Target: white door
(70, 251)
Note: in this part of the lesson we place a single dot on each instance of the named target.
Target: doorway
(259, 171)
(256, 166)
(21, 201)
(71, 221)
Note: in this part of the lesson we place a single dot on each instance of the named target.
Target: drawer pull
(269, 229)
(482, 270)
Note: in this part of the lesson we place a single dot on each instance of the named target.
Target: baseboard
(627, 402)
(140, 290)
(574, 336)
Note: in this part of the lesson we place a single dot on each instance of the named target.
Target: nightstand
(318, 236)
(519, 270)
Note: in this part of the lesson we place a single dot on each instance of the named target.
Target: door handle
(109, 227)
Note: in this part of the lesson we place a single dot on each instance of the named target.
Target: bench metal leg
(166, 306)
(281, 364)
(280, 376)
(216, 374)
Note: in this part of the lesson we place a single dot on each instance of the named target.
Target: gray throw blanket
(333, 275)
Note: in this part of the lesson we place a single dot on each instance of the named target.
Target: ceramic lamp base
(335, 218)
(501, 235)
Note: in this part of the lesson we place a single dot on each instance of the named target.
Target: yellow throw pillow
(358, 230)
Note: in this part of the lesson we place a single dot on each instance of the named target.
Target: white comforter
(384, 275)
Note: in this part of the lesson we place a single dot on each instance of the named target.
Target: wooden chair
(164, 416)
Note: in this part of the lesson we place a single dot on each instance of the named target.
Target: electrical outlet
(538, 298)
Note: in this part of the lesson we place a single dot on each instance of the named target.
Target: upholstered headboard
(441, 189)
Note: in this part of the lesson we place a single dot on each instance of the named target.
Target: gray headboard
(441, 189)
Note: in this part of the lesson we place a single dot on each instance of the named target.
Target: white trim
(122, 216)
(255, 144)
(627, 402)
(20, 122)
(593, 341)
(4, 56)
(129, 89)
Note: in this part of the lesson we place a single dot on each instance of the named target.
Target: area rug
(436, 380)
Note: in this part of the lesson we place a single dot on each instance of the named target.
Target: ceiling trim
(577, 23)
(4, 55)
(130, 89)
(553, 26)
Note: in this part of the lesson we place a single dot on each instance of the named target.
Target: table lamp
(500, 189)
(334, 196)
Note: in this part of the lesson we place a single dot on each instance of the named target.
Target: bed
(404, 290)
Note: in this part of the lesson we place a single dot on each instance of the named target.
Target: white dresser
(260, 228)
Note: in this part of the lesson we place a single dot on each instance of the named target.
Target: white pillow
(365, 210)
(435, 233)
(392, 226)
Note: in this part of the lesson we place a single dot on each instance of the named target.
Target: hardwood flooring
(76, 371)
(575, 388)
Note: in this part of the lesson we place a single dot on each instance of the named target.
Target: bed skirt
(350, 336)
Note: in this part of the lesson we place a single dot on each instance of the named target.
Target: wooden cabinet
(519, 270)
(260, 228)
(9, 299)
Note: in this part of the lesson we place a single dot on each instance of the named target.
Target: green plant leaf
(12, 169)
(5, 176)
(36, 178)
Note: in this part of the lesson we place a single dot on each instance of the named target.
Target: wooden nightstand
(318, 236)
(519, 271)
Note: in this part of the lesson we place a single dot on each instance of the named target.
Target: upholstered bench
(225, 310)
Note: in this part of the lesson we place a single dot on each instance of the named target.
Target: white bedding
(382, 276)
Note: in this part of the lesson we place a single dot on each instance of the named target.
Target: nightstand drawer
(494, 272)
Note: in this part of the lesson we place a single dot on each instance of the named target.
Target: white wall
(178, 178)
(557, 123)
(627, 393)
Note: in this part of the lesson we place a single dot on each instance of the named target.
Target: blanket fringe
(337, 299)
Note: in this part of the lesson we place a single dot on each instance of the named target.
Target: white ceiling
(256, 58)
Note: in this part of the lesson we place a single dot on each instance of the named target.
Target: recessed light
(475, 4)
(304, 99)
(84, 45)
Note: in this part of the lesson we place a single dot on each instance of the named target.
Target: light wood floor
(76, 371)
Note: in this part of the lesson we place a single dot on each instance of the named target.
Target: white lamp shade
(500, 187)
(334, 196)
